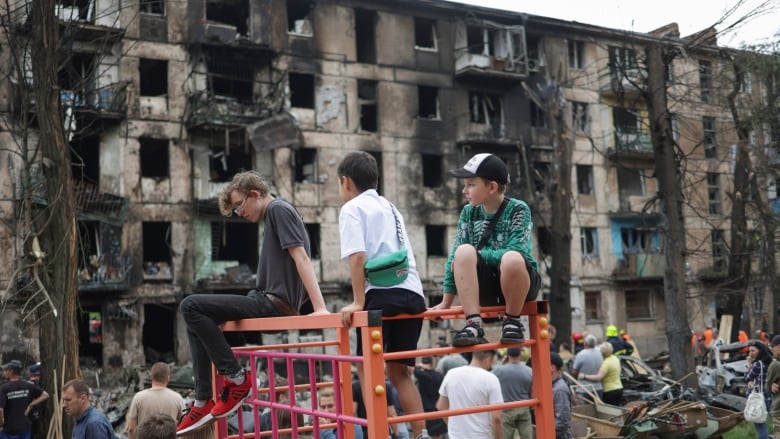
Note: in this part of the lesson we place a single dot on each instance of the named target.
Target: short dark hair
(160, 371)
(157, 426)
(361, 167)
(79, 386)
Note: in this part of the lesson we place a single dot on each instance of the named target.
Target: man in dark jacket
(17, 399)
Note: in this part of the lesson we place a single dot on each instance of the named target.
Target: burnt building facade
(165, 101)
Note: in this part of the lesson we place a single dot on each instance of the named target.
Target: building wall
(332, 128)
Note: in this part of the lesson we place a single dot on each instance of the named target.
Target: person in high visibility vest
(619, 346)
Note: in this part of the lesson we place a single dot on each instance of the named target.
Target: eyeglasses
(240, 208)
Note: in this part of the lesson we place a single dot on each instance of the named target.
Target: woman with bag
(759, 358)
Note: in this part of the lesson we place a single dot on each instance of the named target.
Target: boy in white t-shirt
(369, 226)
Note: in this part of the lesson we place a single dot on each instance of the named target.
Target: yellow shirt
(611, 369)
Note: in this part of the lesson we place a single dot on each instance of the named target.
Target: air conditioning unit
(533, 65)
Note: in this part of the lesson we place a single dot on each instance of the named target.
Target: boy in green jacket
(490, 262)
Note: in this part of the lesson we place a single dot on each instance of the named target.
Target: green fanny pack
(388, 270)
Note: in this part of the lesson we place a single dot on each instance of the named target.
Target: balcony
(487, 51)
(107, 104)
(208, 110)
(639, 266)
(629, 82)
(91, 204)
(471, 66)
(629, 144)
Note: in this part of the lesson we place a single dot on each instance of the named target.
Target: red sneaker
(195, 418)
(232, 397)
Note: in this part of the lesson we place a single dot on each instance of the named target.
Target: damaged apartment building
(165, 101)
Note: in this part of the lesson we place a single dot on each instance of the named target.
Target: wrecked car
(723, 369)
(642, 382)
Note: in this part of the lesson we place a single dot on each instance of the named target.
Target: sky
(646, 15)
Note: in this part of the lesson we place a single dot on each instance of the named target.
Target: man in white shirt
(471, 386)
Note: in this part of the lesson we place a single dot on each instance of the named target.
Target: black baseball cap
(486, 166)
(13, 364)
(775, 341)
(556, 360)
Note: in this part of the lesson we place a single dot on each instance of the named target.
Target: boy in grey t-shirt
(285, 280)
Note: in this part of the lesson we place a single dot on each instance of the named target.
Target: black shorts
(435, 427)
(489, 279)
(398, 335)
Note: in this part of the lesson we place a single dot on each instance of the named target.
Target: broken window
(713, 194)
(625, 120)
(230, 12)
(710, 140)
(637, 240)
(542, 176)
(544, 241)
(380, 180)
(585, 179)
(719, 252)
(675, 126)
(626, 124)
(306, 165)
(85, 159)
(153, 74)
(485, 108)
(76, 80)
(298, 17)
(535, 53)
(159, 333)
(301, 90)
(424, 33)
(435, 240)
(593, 306)
(313, 229)
(640, 304)
(231, 79)
(90, 328)
(576, 54)
(431, 170)
(538, 115)
(154, 157)
(579, 117)
(669, 71)
(705, 81)
(157, 250)
(589, 241)
(427, 102)
(365, 35)
(367, 98)
(631, 181)
(83, 10)
(480, 40)
(234, 241)
(622, 61)
(156, 7)
(226, 162)
(99, 250)
(746, 85)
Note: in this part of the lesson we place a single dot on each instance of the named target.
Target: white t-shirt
(367, 224)
(470, 386)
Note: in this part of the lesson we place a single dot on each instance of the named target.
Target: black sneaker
(469, 336)
(512, 331)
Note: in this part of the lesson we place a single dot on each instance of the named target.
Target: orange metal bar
(369, 323)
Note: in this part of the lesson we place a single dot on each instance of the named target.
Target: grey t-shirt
(515, 381)
(276, 271)
(588, 362)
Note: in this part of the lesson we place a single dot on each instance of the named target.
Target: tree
(667, 169)
(44, 278)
